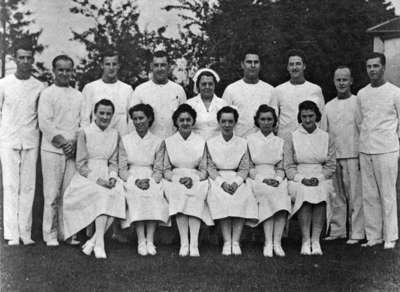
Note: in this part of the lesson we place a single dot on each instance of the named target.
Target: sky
(54, 18)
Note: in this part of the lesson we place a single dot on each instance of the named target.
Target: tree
(15, 23)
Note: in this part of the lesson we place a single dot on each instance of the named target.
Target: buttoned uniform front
(84, 199)
(308, 155)
(228, 161)
(379, 152)
(343, 118)
(60, 113)
(19, 142)
(142, 158)
(206, 120)
(164, 99)
(247, 98)
(119, 93)
(186, 158)
(288, 97)
(266, 162)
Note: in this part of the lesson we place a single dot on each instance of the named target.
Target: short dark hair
(298, 53)
(264, 108)
(374, 55)
(146, 109)
(63, 58)
(228, 110)
(250, 51)
(309, 105)
(161, 54)
(205, 73)
(109, 53)
(183, 108)
(25, 44)
(105, 102)
(342, 66)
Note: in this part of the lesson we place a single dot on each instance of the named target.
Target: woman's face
(206, 86)
(227, 123)
(140, 121)
(266, 122)
(308, 119)
(185, 123)
(103, 116)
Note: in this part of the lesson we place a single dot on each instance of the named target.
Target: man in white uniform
(162, 94)
(379, 153)
(248, 93)
(342, 124)
(19, 140)
(60, 114)
(120, 94)
(291, 93)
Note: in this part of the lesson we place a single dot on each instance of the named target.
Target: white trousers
(378, 176)
(19, 179)
(347, 205)
(57, 174)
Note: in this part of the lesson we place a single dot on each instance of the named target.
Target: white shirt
(380, 109)
(247, 98)
(60, 113)
(165, 99)
(289, 96)
(120, 95)
(18, 112)
(342, 124)
(206, 120)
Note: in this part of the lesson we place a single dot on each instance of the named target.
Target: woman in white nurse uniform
(230, 199)
(95, 194)
(140, 167)
(186, 185)
(309, 161)
(267, 179)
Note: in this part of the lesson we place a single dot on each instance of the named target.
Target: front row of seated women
(226, 179)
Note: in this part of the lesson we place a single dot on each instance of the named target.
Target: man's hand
(186, 181)
(112, 182)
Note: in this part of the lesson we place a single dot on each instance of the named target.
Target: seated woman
(141, 166)
(309, 161)
(186, 185)
(230, 199)
(267, 179)
(206, 103)
(94, 194)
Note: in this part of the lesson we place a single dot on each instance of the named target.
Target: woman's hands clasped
(310, 182)
(229, 188)
(271, 182)
(109, 184)
(186, 181)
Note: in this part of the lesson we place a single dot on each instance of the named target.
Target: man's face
(343, 80)
(160, 69)
(251, 66)
(296, 67)
(24, 61)
(110, 67)
(375, 69)
(63, 72)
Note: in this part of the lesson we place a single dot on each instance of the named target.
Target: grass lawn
(341, 268)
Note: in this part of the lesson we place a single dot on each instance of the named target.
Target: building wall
(391, 49)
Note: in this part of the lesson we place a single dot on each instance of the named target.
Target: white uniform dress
(120, 95)
(165, 99)
(19, 141)
(142, 158)
(289, 96)
(186, 158)
(247, 98)
(206, 120)
(84, 199)
(266, 162)
(228, 161)
(310, 155)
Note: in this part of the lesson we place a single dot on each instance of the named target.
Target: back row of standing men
(364, 128)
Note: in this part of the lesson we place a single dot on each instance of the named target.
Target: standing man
(248, 93)
(162, 94)
(60, 115)
(19, 140)
(291, 93)
(120, 94)
(379, 153)
(342, 124)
